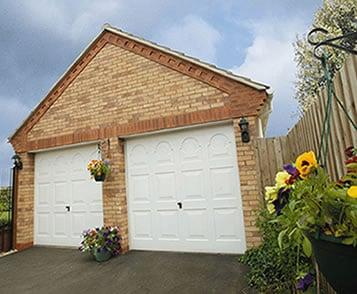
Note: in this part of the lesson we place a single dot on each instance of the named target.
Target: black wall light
(244, 129)
(17, 161)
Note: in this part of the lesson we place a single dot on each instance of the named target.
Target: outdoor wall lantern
(17, 161)
(244, 128)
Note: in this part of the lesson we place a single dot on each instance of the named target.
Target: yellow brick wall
(249, 184)
(118, 86)
(25, 202)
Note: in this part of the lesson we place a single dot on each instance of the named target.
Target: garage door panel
(192, 184)
(61, 180)
(223, 217)
(140, 187)
(43, 224)
(196, 224)
(220, 147)
(190, 150)
(44, 195)
(142, 225)
(163, 154)
(168, 224)
(60, 193)
(191, 191)
(221, 179)
(79, 222)
(165, 189)
(60, 225)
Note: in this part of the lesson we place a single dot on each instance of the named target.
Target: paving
(52, 270)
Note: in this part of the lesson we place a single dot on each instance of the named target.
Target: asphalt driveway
(51, 270)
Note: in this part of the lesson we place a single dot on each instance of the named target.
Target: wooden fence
(305, 135)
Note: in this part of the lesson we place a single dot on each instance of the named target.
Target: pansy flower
(305, 163)
(304, 283)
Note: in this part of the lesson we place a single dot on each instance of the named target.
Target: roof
(212, 67)
(107, 27)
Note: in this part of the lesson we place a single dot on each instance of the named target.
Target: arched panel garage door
(183, 191)
(67, 200)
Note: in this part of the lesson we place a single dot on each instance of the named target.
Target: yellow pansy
(271, 193)
(352, 192)
(305, 162)
(281, 179)
(271, 207)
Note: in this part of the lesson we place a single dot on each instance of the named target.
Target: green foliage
(272, 269)
(318, 205)
(336, 16)
(5, 205)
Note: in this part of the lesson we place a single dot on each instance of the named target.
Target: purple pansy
(281, 200)
(291, 170)
(304, 283)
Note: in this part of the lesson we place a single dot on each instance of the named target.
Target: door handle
(179, 204)
(68, 208)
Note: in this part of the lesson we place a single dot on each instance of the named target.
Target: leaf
(280, 238)
(306, 247)
(348, 241)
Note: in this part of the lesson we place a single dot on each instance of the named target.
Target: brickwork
(25, 202)
(122, 87)
(114, 192)
(119, 88)
(249, 183)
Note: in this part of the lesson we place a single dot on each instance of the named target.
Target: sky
(39, 39)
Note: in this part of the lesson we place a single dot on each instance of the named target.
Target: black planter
(337, 262)
(100, 178)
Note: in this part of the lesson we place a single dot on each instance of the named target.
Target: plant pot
(100, 178)
(337, 262)
(102, 255)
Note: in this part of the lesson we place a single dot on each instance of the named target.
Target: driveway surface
(51, 270)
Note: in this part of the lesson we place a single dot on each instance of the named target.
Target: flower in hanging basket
(98, 169)
(305, 163)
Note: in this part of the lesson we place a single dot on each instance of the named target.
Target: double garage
(179, 134)
(183, 192)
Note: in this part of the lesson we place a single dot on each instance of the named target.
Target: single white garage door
(67, 200)
(183, 191)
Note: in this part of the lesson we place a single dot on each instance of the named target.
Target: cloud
(193, 36)
(12, 113)
(270, 59)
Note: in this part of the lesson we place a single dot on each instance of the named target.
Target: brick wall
(25, 203)
(249, 183)
(122, 87)
(114, 192)
(119, 93)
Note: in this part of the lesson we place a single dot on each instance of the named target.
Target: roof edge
(211, 67)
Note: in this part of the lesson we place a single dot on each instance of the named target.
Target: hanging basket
(100, 178)
(337, 262)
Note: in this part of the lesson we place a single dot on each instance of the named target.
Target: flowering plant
(104, 239)
(306, 202)
(98, 168)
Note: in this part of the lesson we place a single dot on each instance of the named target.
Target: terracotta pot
(337, 262)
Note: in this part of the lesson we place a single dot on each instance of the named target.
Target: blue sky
(40, 38)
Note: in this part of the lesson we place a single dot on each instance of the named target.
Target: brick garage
(122, 86)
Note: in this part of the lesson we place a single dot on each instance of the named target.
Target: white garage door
(67, 200)
(184, 192)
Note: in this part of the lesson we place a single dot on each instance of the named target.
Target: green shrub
(272, 270)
